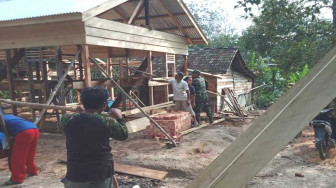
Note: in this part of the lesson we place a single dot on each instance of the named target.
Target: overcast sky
(12, 9)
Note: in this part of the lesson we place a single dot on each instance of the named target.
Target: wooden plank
(48, 34)
(201, 126)
(120, 36)
(271, 132)
(137, 125)
(139, 171)
(137, 11)
(165, 71)
(133, 45)
(136, 30)
(87, 68)
(155, 83)
(148, 108)
(101, 8)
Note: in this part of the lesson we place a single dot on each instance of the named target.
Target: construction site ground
(195, 151)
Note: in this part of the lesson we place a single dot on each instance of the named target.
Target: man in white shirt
(182, 95)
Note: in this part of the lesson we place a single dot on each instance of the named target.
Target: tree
(285, 33)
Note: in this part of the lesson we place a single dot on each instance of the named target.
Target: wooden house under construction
(40, 50)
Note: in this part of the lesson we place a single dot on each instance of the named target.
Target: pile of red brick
(173, 123)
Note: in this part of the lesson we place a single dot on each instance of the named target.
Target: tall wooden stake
(185, 65)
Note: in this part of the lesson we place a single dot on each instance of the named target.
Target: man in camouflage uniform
(202, 102)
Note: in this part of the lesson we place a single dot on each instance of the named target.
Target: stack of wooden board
(236, 107)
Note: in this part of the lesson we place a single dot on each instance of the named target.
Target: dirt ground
(195, 151)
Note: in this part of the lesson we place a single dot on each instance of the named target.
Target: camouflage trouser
(202, 104)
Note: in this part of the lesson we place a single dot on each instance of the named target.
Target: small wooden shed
(223, 68)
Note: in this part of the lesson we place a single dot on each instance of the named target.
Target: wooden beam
(60, 72)
(155, 16)
(101, 8)
(110, 72)
(185, 65)
(150, 71)
(10, 78)
(87, 67)
(165, 71)
(120, 15)
(46, 91)
(137, 11)
(174, 28)
(131, 29)
(271, 132)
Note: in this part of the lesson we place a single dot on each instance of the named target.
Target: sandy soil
(195, 151)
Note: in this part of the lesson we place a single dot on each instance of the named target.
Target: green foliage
(272, 83)
(296, 76)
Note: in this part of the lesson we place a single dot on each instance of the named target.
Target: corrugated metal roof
(22, 9)
(160, 19)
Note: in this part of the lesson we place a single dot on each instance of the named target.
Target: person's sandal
(9, 182)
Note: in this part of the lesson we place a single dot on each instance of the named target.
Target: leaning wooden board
(139, 171)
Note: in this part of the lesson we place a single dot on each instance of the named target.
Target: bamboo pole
(70, 109)
(130, 98)
(60, 82)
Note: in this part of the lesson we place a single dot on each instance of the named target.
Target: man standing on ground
(181, 94)
(26, 135)
(202, 102)
(192, 97)
(90, 162)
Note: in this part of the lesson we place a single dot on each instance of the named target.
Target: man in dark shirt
(90, 162)
(192, 97)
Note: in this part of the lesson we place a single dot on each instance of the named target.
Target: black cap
(180, 74)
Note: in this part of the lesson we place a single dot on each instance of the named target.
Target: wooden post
(271, 132)
(38, 73)
(10, 78)
(165, 71)
(150, 71)
(174, 66)
(110, 72)
(185, 65)
(87, 68)
(46, 91)
(60, 72)
(121, 74)
(31, 85)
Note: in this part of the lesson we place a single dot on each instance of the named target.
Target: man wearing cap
(202, 102)
(182, 95)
